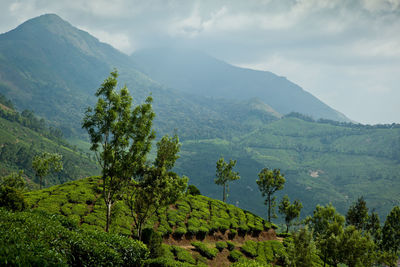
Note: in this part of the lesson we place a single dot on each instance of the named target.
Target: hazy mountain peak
(199, 73)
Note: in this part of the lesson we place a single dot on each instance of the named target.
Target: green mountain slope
(23, 136)
(200, 74)
(322, 163)
(53, 68)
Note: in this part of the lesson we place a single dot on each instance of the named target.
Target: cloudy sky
(345, 52)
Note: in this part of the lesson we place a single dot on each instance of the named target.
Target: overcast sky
(345, 52)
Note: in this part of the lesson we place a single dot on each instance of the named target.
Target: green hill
(322, 163)
(197, 230)
(24, 136)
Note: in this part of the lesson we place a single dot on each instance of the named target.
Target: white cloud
(342, 51)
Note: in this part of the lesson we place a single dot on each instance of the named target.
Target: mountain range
(217, 109)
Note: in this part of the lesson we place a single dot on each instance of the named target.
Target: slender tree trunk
(40, 182)
(269, 208)
(287, 228)
(108, 216)
(224, 194)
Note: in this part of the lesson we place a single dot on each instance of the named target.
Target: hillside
(322, 163)
(200, 74)
(24, 136)
(53, 68)
(192, 219)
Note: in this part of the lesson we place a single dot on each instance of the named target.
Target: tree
(327, 225)
(373, 226)
(269, 182)
(302, 252)
(357, 214)
(121, 138)
(290, 211)
(391, 231)
(193, 190)
(46, 162)
(158, 187)
(11, 191)
(225, 174)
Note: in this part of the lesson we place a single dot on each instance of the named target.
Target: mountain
(54, 69)
(200, 74)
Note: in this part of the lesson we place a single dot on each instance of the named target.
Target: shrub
(250, 249)
(231, 245)
(183, 255)
(180, 231)
(12, 199)
(235, 255)
(232, 233)
(220, 245)
(37, 238)
(207, 252)
(193, 190)
(153, 240)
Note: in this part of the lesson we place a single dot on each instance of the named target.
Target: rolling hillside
(197, 230)
(53, 68)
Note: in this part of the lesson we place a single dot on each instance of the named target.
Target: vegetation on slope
(191, 217)
(322, 163)
(23, 136)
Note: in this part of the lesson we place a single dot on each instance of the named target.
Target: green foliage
(235, 255)
(46, 162)
(230, 245)
(12, 198)
(193, 190)
(357, 214)
(250, 248)
(196, 215)
(153, 240)
(301, 249)
(183, 255)
(38, 238)
(290, 211)
(249, 263)
(391, 231)
(220, 245)
(268, 183)
(120, 137)
(204, 250)
(11, 188)
(224, 175)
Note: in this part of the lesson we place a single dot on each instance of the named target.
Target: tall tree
(327, 225)
(373, 226)
(357, 214)
(158, 186)
(302, 252)
(225, 174)
(46, 162)
(290, 210)
(121, 138)
(270, 181)
(391, 231)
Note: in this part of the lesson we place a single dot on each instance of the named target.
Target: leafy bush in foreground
(38, 238)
